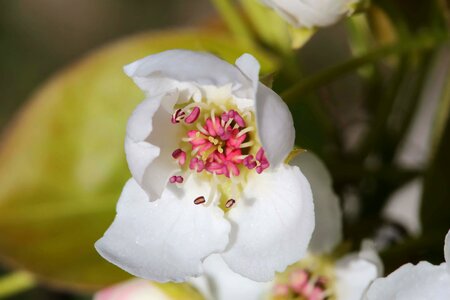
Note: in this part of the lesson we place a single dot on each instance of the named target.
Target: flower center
(219, 143)
(310, 279)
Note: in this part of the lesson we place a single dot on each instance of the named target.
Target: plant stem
(15, 283)
(234, 21)
(419, 43)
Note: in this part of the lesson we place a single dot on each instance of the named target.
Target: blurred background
(37, 38)
(370, 95)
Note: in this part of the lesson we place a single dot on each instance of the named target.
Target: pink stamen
(193, 116)
(218, 144)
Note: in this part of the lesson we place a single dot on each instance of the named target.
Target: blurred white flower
(316, 277)
(312, 13)
(136, 289)
(328, 230)
(208, 144)
(415, 282)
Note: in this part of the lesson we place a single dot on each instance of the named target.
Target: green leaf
(62, 164)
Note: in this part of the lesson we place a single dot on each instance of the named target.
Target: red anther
(177, 116)
(247, 160)
(179, 179)
(235, 141)
(177, 153)
(200, 166)
(199, 200)
(251, 165)
(230, 203)
(260, 154)
(231, 114)
(193, 163)
(238, 119)
(225, 117)
(173, 179)
(193, 116)
(233, 168)
(180, 155)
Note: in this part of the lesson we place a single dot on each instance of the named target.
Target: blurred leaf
(62, 164)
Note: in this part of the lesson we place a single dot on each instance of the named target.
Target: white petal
(328, 231)
(227, 285)
(275, 125)
(447, 250)
(136, 289)
(151, 139)
(412, 282)
(164, 240)
(163, 71)
(403, 206)
(250, 67)
(353, 276)
(311, 13)
(273, 222)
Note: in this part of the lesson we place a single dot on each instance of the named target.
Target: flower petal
(275, 125)
(403, 206)
(147, 147)
(328, 230)
(163, 71)
(135, 289)
(304, 13)
(354, 273)
(273, 222)
(227, 285)
(250, 67)
(447, 250)
(421, 281)
(164, 240)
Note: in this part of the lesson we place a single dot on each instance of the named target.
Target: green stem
(419, 43)
(15, 283)
(234, 21)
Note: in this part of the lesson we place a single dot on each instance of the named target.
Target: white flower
(415, 282)
(206, 150)
(312, 13)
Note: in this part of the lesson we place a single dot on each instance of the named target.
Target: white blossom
(206, 150)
